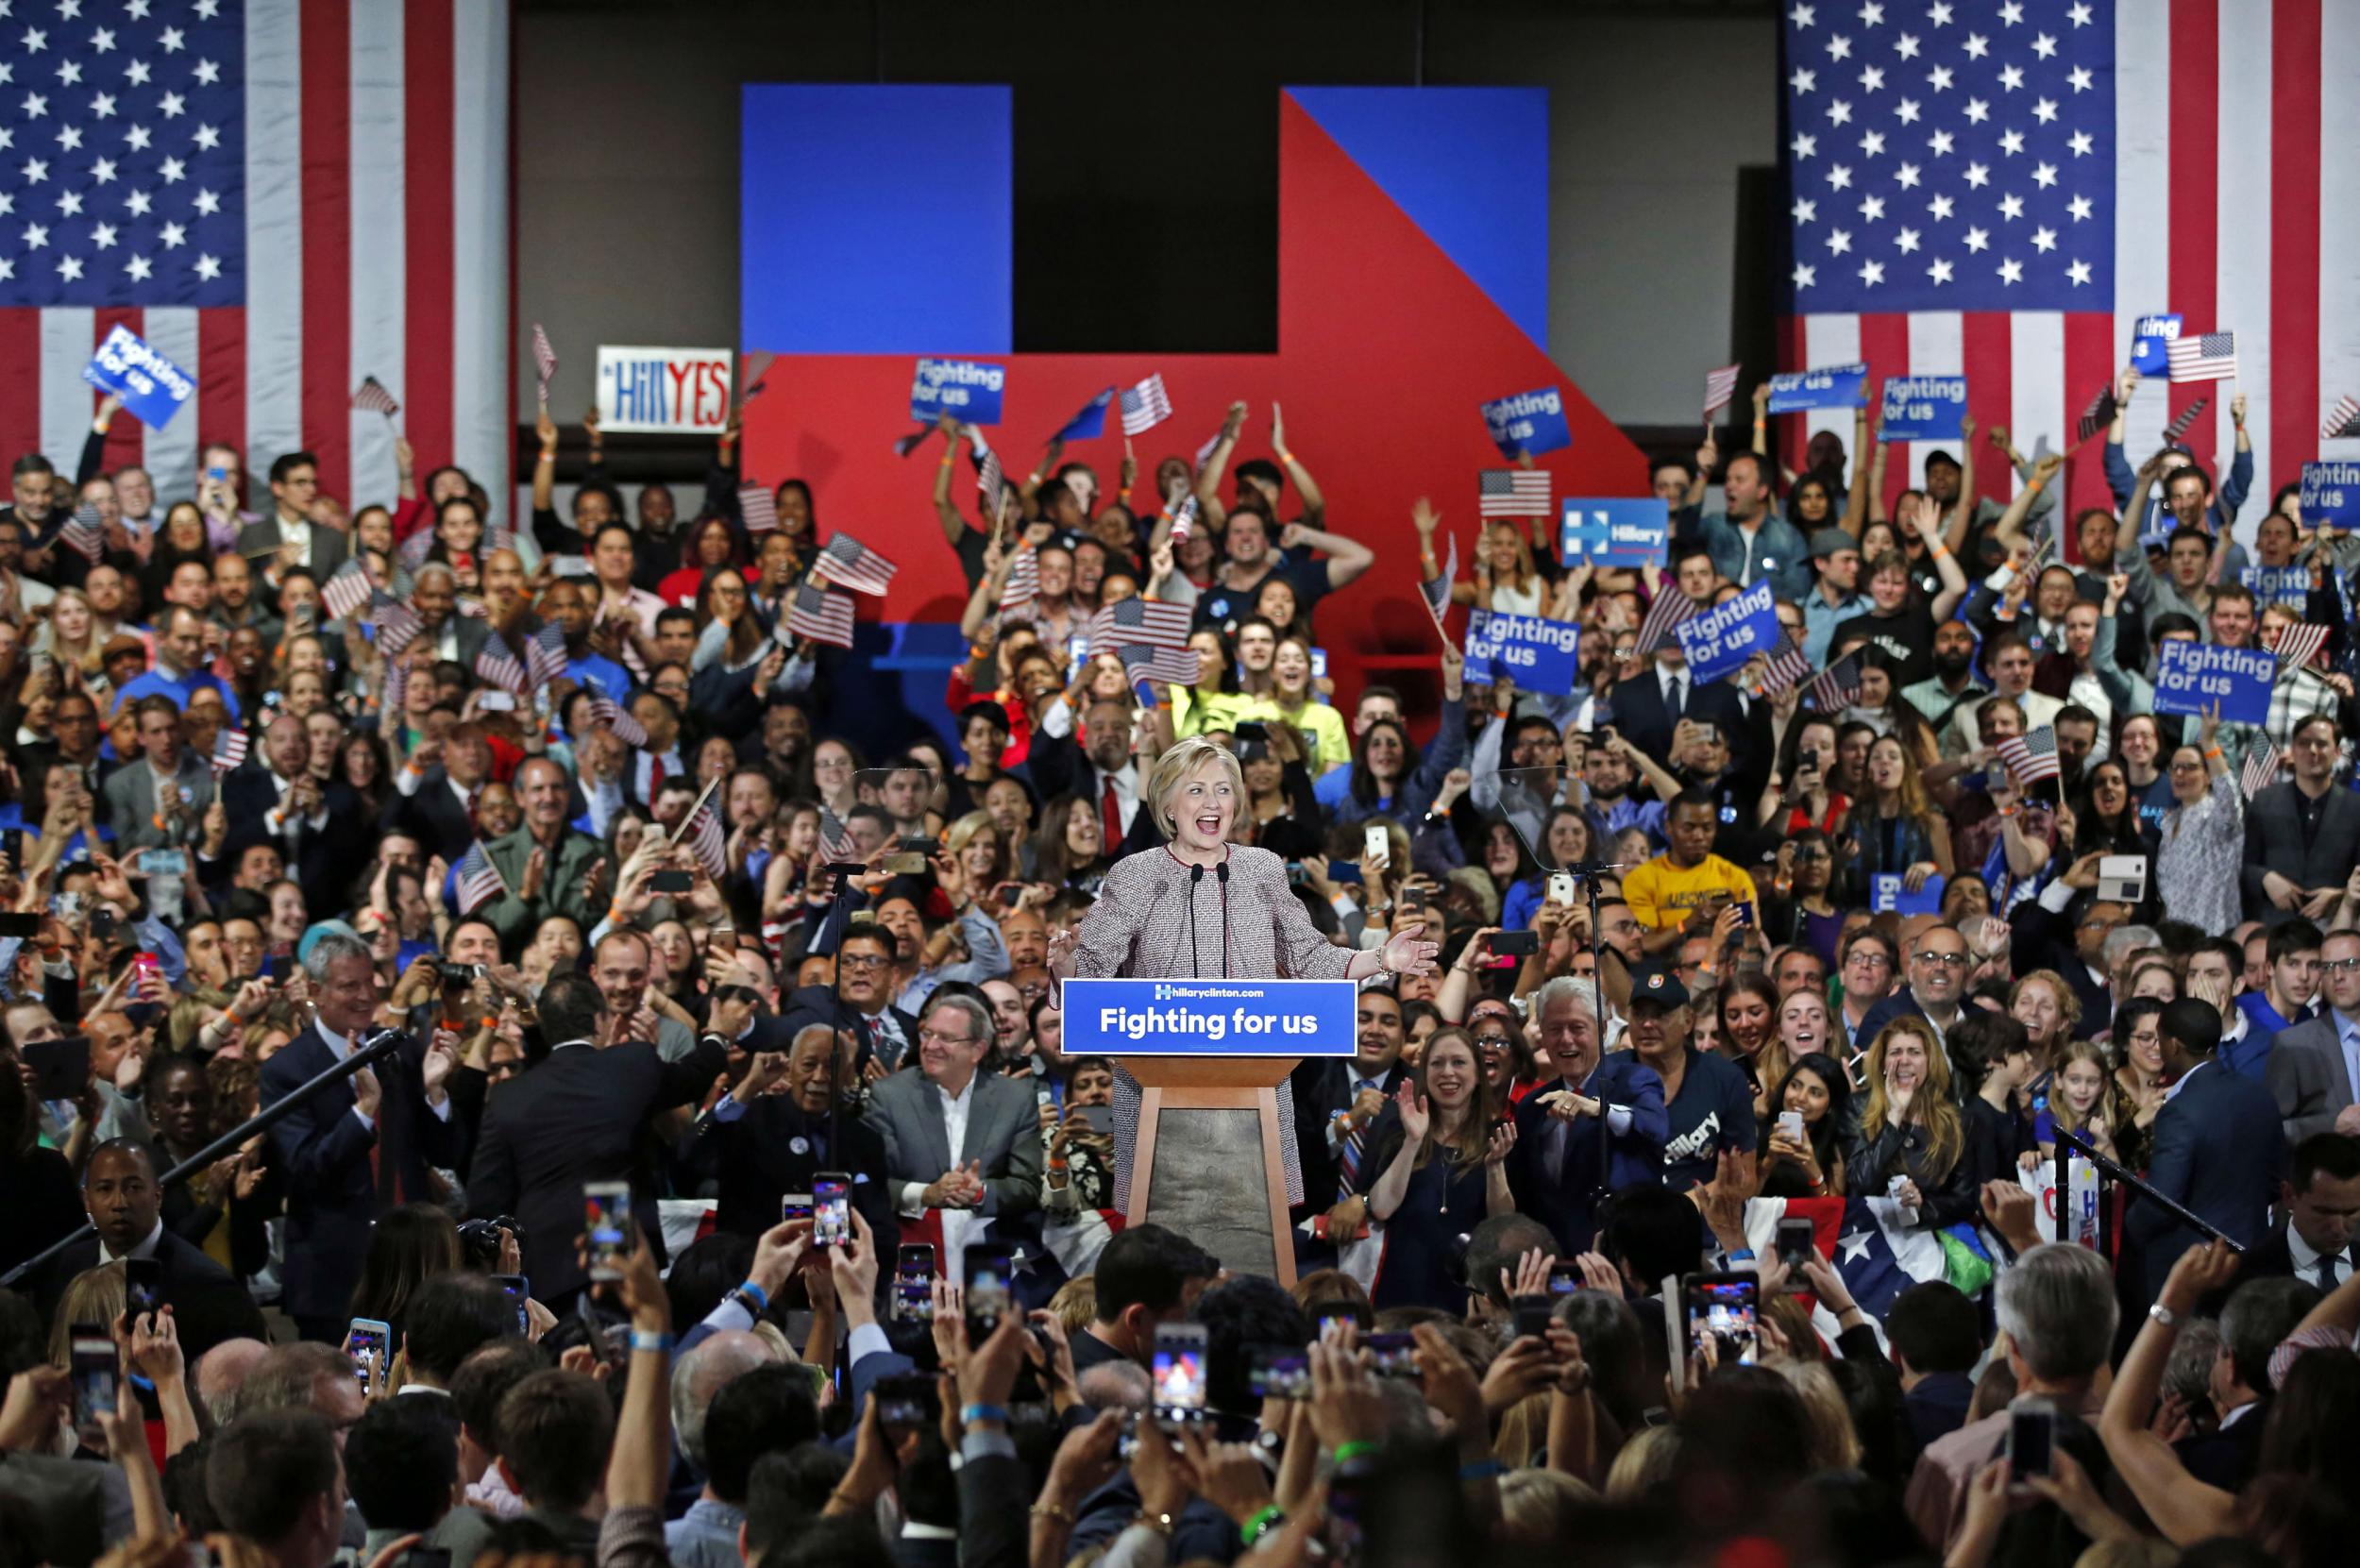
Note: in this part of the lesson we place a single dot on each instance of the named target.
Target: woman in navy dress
(1439, 1168)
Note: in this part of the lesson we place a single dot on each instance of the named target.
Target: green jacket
(564, 885)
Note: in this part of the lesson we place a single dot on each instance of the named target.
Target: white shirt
(2172, 1093)
(277, 817)
(1673, 704)
(643, 769)
(2306, 1259)
(2347, 1037)
(147, 1246)
(956, 1223)
(340, 1047)
(1126, 785)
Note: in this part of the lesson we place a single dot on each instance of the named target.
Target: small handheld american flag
(1512, 493)
(1205, 454)
(1023, 585)
(475, 881)
(2206, 357)
(2179, 428)
(1838, 686)
(372, 397)
(821, 615)
(990, 478)
(2342, 422)
(1720, 388)
(1788, 665)
(849, 563)
(758, 507)
(398, 625)
(702, 832)
(543, 358)
(229, 750)
(2099, 415)
(497, 665)
(2261, 767)
(1144, 405)
(627, 729)
(1184, 519)
(836, 842)
(1436, 593)
(2299, 644)
(2031, 757)
(396, 687)
(348, 589)
(1661, 627)
(1139, 620)
(84, 534)
(545, 655)
(1182, 666)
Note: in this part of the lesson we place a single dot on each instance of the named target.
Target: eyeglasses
(936, 1036)
(1868, 960)
(1816, 853)
(865, 960)
(1948, 960)
(2340, 965)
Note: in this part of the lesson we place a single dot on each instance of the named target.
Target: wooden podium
(1200, 1181)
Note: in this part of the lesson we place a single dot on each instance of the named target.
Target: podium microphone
(1196, 959)
(1220, 874)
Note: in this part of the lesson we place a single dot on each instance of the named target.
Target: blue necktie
(1348, 1170)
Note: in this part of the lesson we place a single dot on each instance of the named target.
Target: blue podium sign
(1212, 1017)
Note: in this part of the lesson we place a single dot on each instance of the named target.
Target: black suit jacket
(1645, 720)
(2220, 1154)
(2227, 1457)
(323, 859)
(1322, 1086)
(2040, 940)
(323, 1150)
(578, 1115)
(2273, 842)
(775, 1149)
(820, 1002)
(435, 815)
(208, 1304)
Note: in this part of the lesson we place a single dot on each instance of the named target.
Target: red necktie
(474, 795)
(655, 775)
(1110, 824)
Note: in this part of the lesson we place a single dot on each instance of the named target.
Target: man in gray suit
(287, 537)
(959, 1142)
(158, 800)
(2301, 836)
(2314, 1065)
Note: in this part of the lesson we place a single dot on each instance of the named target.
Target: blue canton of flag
(1950, 157)
(1878, 1256)
(123, 157)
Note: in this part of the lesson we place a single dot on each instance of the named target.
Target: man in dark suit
(880, 1030)
(316, 828)
(963, 1147)
(1602, 1125)
(287, 537)
(125, 1204)
(357, 1146)
(1096, 762)
(2314, 1068)
(2259, 1314)
(1649, 706)
(436, 794)
(2302, 836)
(1935, 965)
(578, 1115)
(2064, 931)
(2218, 1149)
(2314, 1241)
(1337, 1103)
(73, 725)
(770, 1134)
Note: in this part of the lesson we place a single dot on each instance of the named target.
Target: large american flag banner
(282, 199)
(2001, 187)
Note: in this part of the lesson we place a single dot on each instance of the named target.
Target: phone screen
(370, 1344)
(1392, 1354)
(913, 1283)
(518, 1289)
(907, 1404)
(1728, 1307)
(1179, 1373)
(1564, 1277)
(606, 1219)
(830, 1209)
(990, 1296)
(795, 1205)
(144, 1286)
(94, 1372)
(1277, 1371)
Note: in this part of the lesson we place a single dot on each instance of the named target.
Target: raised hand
(1415, 1115)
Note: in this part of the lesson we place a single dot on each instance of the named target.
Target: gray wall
(627, 148)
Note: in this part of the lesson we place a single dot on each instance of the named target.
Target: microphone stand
(376, 1048)
(2138, 1184)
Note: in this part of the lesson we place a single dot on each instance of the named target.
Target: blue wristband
(641, 1340)
(1743, 1254)
(762, 1297)
(970, 1415)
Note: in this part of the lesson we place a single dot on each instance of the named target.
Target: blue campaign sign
(1925, 408)
(1530, 422)
(1620, 530)
(150, 385)
(1538, 655)
(2193, 676)
(1719, 641)
(2147, 344)
(2286, 586)
(2331, 494)
(1212, 1017)
(964, 389)
(1834, 386)
(1887, 895)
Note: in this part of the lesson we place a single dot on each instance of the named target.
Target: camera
(459, 974)
(479, 1241)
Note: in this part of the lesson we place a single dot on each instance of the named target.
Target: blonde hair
(1076, 1302)
(1946, 1136)
(2068, 1004)
(1644, 1466)
(1182, 762)
(1538, 1507)
(94, 1295)
(962, 832)
(1834, 1445)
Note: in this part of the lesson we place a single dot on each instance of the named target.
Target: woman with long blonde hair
(1505, 578)
(1894, 827)
(1912, 1141)
(69, 634)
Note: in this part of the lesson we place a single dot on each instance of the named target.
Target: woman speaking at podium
(1201, 907)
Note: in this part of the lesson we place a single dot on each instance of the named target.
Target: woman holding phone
(1437, 1169)
(1814, 1101)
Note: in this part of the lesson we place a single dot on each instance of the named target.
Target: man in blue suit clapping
(1601, 1127)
